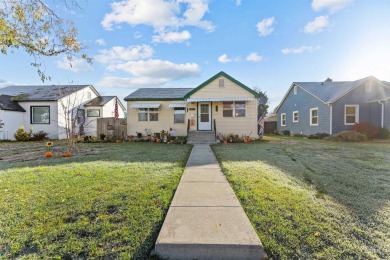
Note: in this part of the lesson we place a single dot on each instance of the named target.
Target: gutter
(330, 118)
(383, 113)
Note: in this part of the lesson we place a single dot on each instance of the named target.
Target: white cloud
(100, 42)
(265, 27)
(76, 65)
(238, 2)
(149, 73)
(332, 5)
(225, 59)
(254, 57)
(171, 37)
(317, 25)
(159, 14)
(118, 54)
(300, 50)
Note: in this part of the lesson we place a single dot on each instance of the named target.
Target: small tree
(262, 103)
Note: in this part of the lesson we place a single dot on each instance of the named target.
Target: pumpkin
(49, 154)
(67, 154)
(118, 141)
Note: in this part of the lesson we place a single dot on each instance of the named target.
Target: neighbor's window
(283, 119)
(40, 115)
(80, 116)
(148, 114)
(295, 116)
(93, 113)
(295, 90)
(351, 114)
(368, 86)
(179, 114)
(221, 83)
(89, 95)
(234, 109)
(314, 116)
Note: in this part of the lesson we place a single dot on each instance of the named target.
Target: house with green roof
(220, 105)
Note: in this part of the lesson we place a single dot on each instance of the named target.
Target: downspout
(330, 118)
(382, 114)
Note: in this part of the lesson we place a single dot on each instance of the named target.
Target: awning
(219, 99)
(145, 105)
(173, 105)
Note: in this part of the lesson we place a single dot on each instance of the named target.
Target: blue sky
(266, 44)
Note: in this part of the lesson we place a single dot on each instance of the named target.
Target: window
(93, 112)
(295, 116)
(314, 116)
(295, 90)
(351, 114)
(368, 86)
(88, 95)
(148, 114)
(178, 116)
(234, 109)
(80, 116)
(40, 115)
(221, 83)
(283, 119)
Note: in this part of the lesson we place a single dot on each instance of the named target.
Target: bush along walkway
(205, 220)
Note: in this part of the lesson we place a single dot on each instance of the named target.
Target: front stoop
(205, 219)
(201, 137)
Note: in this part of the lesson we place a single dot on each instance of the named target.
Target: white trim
(331, 119)
(356, 113)
(295, 89)
(293, 117)
(281, 119)
(310, 116)
(219, 99)
(145, 105)
(383, 114)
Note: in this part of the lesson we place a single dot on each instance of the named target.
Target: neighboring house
(220, 104)
(331, 107)
(46, 108)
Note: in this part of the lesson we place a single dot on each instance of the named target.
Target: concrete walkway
(205, 219)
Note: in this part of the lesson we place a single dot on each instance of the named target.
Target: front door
(204, 116)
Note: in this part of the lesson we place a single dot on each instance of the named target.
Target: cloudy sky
(266, 44)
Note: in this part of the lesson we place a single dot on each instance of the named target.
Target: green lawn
(314, 199)
(108, 202)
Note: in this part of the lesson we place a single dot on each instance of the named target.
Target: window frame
(182, 111)
(293, 116)
(148, 112)
(311, 116)
(32, 113)
(356, 106)
(281, 119)
(295, 89)
(221, 83)
(93, 109)
(234, 108)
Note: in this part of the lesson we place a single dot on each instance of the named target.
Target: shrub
(39, 136)
(368, 129)
(318, 136)
(383, 133)
(349, 136)
(22, 135)
(299, 135)
(286, 132)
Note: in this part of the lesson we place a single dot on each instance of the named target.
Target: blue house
(334, 106)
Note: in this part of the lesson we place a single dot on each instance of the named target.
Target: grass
(314, 199)
(109, 203)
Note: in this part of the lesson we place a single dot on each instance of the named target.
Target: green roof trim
(220, 74)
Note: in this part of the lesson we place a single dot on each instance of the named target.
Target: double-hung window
(295, 117)
(351, 114)
(234, 109)
(314, 116)
(283, 119)
(179, 114)
(40, 115)
(148, 114)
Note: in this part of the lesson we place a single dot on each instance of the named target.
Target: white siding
(12, 121)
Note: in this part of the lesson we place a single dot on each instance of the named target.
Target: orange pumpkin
(67, 154)
(49, 154)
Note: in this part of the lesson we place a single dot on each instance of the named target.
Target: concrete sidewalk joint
(205, 219)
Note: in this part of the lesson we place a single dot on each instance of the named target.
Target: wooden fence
(112, 128)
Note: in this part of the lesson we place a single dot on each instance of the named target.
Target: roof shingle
(158, 94)
(6, 103)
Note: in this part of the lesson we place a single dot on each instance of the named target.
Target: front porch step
(201, 137)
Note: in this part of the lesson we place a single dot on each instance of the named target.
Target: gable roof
(330, 91)
(101, 101)
(146, 94)
(6, 103)
(221, 74)
(42, 92)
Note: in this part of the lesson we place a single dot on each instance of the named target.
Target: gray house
(334, 106)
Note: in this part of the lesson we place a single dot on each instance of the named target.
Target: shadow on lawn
(356, 175)
(123, 152)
